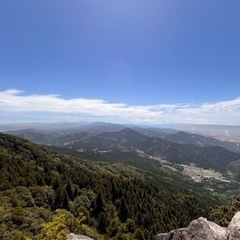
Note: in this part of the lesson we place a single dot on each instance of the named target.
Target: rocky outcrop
(233, 230)
(72, 236)
(202, 229)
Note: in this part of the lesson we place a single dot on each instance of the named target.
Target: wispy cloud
(16, 105)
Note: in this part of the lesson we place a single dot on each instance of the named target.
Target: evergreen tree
(123, 211)
(99, 205)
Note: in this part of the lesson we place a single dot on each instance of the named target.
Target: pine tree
(99, 205)
(123, 211)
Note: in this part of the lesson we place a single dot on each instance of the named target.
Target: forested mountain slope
(46, 195)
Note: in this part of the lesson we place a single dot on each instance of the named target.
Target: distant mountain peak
(183, 137)
(129, 131)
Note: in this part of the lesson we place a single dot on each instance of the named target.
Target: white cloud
(15, 105)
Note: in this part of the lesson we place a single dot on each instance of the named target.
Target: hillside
(45, 194)
(202, 141)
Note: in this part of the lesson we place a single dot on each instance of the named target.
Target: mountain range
(179, 147)
(112, 182)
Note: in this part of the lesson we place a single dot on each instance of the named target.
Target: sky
(126, 61)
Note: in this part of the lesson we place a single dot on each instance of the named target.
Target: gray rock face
(234, 227)
(202, 229)
(72, 236)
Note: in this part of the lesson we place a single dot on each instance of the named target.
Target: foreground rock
(72, 236)
(233, 230)
(202, 229)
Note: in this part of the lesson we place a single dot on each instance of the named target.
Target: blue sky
(157, 61)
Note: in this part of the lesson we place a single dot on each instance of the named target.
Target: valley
(196, 173)
(127, 179)
(199, 174)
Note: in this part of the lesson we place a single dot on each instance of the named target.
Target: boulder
(202, 229)
(234, 227)
(72, 236)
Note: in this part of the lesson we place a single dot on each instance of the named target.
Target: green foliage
(222, 215)
(46, 195)
(62, 224)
